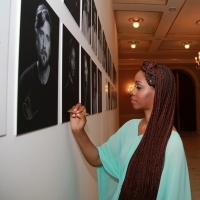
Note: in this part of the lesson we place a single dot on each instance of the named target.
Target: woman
(146, 156)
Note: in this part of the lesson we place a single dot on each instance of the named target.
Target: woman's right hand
(78, 118)
(77, 122)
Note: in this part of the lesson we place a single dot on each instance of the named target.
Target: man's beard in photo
(43, 62)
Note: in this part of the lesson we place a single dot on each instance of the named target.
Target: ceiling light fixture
(187, 44)
(197, 60)
(133, 44)
(136, 21)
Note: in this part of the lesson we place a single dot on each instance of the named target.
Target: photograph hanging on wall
(107, 94)
(104, 52)
(108, 60)
(110, 65)
(100, 42)
(94, 88)
(86, 19)
(38, 67)
(113, 99)
(114, 75)
(85, 80)
(94, 27)
(70, 73)
(74, 8)
(99, 91)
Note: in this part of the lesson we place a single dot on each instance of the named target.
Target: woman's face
(142, 94)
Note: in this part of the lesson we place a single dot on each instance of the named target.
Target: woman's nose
(132, 91)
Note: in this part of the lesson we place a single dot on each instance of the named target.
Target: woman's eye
(137, 87)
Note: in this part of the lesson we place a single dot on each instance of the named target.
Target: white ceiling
(161, 34)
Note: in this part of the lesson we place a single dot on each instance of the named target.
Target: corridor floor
(191, 142)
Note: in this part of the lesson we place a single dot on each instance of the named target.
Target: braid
(145, 167)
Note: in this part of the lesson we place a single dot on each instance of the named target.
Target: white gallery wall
(47, 164)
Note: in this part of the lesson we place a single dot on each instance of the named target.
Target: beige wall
(47, 164)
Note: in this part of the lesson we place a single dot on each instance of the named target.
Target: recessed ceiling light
(187, 44)
(133, 44)
(136, 21)
(172, 9)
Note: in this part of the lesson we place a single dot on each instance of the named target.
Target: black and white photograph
(99, 41)
(99, 91)
(85, 80)
(107, 95)
(94, 27)
(70, 73)
(38, 67)
(109, 64)
(114, 75)
(111, 68)
(94, 88)
(113, 99)
(86, 19)
(104, 52)
(74, 8)
(108, 57)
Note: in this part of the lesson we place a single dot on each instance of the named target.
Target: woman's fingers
(78, 110)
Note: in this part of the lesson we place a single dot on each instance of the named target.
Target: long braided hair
(145, 166)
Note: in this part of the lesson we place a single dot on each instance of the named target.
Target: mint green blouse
(116, 153)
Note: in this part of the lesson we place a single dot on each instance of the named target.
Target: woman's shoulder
(175, 137)
(175, 143)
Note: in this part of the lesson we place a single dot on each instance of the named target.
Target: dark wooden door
(185, 114)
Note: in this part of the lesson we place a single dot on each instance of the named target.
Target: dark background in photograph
(85, 87)
(99, 91)
(74, 8)
(94, 88)
(112, 102)
(70, 78)
(104, 49)
(94, 27)
(27, 56)
(106, 54)
(106, 89)
(99, 46)
(114, 75)
(110, 64)
(107, 60)
(108, 67)
(108, 97)
(86, 19)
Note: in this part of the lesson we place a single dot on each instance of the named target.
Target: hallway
(191, 142)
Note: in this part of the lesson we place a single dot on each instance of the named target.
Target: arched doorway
(185, 114)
